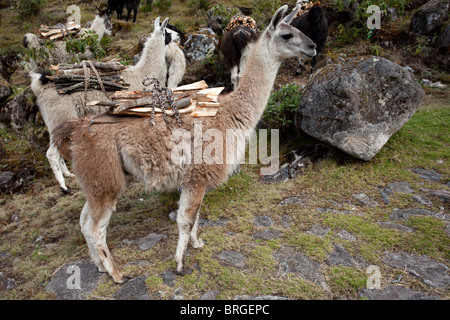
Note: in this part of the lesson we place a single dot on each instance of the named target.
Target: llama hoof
(198, 244)
(69, 175)
(121, 279)
(65, 190)
(184, 272)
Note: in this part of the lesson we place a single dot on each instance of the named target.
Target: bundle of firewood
(59, 31)
(69, 78)
(196, 99)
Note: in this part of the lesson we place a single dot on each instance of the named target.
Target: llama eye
(287, 36)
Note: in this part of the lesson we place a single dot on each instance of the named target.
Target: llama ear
(164, 24)
(157, 23)
(277, 17)
(291, 16)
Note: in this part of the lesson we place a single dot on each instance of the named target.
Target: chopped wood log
(200, 85)
(204, 112)
(98, 65)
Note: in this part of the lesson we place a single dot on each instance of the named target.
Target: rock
(75, 281)
(319, 230)
(430, 17)
(385, 193)
(6, 283)
(422, 200)
(286, 221)
(263, 221)
(265, 297)
(19, 110)
(168, 277)
(396, 226)
(395, 293)
(147, 242)
(233, 258)
(443, 43)
(365, 200)
(135, 289)
(281, 176)
(340, 257)
(358, 105)
(268, 234)
(344, 234)
(293, 200)
(401, 187)
(5, 89)
(328, 210)
(199, 45)
(210, 295)
(297, 162)
(212, 223)
(444, 195)
(431, 272)
(291, 261)
(404, 214)
(430, 175)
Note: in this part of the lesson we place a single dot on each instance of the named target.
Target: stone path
(77, 280)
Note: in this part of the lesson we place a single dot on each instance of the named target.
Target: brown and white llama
(56, 108)
(102, 154)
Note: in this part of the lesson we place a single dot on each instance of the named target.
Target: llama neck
(251, 96)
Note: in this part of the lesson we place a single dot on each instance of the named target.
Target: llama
(103, 154)
(131, 5)
(237, 43)
(57, 108)
(313, 24)
(100, 26)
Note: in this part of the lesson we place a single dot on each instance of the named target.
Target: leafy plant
(162, 5)
(282, 106)
(263, 10)
(225, 13)
(88, 41)
(199, 5)
(28, 8)
(360, 6)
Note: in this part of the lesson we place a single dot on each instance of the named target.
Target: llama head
(172, 36)
(31, 41)
(285, 40)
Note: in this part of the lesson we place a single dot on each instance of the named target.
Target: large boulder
(358, 105)
(430, 17)
(5, 89)
(199, 44)
(19, 110)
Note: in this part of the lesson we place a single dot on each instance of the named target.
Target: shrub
(263, 11)
(224, 13)
(88, 41)
(281, 107)
(162, 5)
(199, 5)
(28, 8)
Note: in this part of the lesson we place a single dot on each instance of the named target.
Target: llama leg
(190, 201)
(97, 236)
(66, 173)
(234, 77)
(53, 158)
(195, 241)
(86, 224)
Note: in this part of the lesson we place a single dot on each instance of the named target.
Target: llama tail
(62, 137)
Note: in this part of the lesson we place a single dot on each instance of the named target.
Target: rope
(161, 96)
(87, 79)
